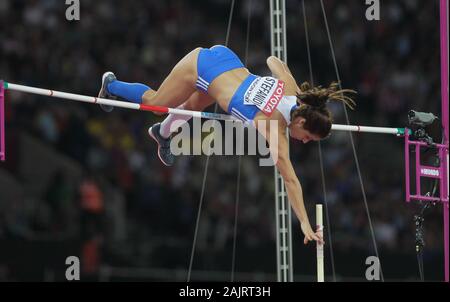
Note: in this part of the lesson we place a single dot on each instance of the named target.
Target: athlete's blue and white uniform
(254, 94)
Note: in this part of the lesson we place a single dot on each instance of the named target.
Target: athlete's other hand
(309, 234)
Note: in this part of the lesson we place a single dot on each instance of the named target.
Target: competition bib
(265, 93)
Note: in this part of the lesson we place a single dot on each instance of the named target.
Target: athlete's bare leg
(178, 86)
(198, 101)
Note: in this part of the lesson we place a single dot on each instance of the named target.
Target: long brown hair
(312, 103)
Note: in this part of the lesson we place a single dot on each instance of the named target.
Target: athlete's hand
(309, 234)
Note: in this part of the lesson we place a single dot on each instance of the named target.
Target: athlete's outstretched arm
(277, 67)
(281, 71)
(293, 186)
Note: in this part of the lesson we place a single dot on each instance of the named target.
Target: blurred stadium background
(78, 181)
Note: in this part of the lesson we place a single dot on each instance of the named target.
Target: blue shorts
(213, 62)
(237, 108)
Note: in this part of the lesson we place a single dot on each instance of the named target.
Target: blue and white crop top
(263, 94)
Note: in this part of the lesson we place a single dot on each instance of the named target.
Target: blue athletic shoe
(107, 78)
(164, 153)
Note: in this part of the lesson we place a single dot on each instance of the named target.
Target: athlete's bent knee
(146, 99)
